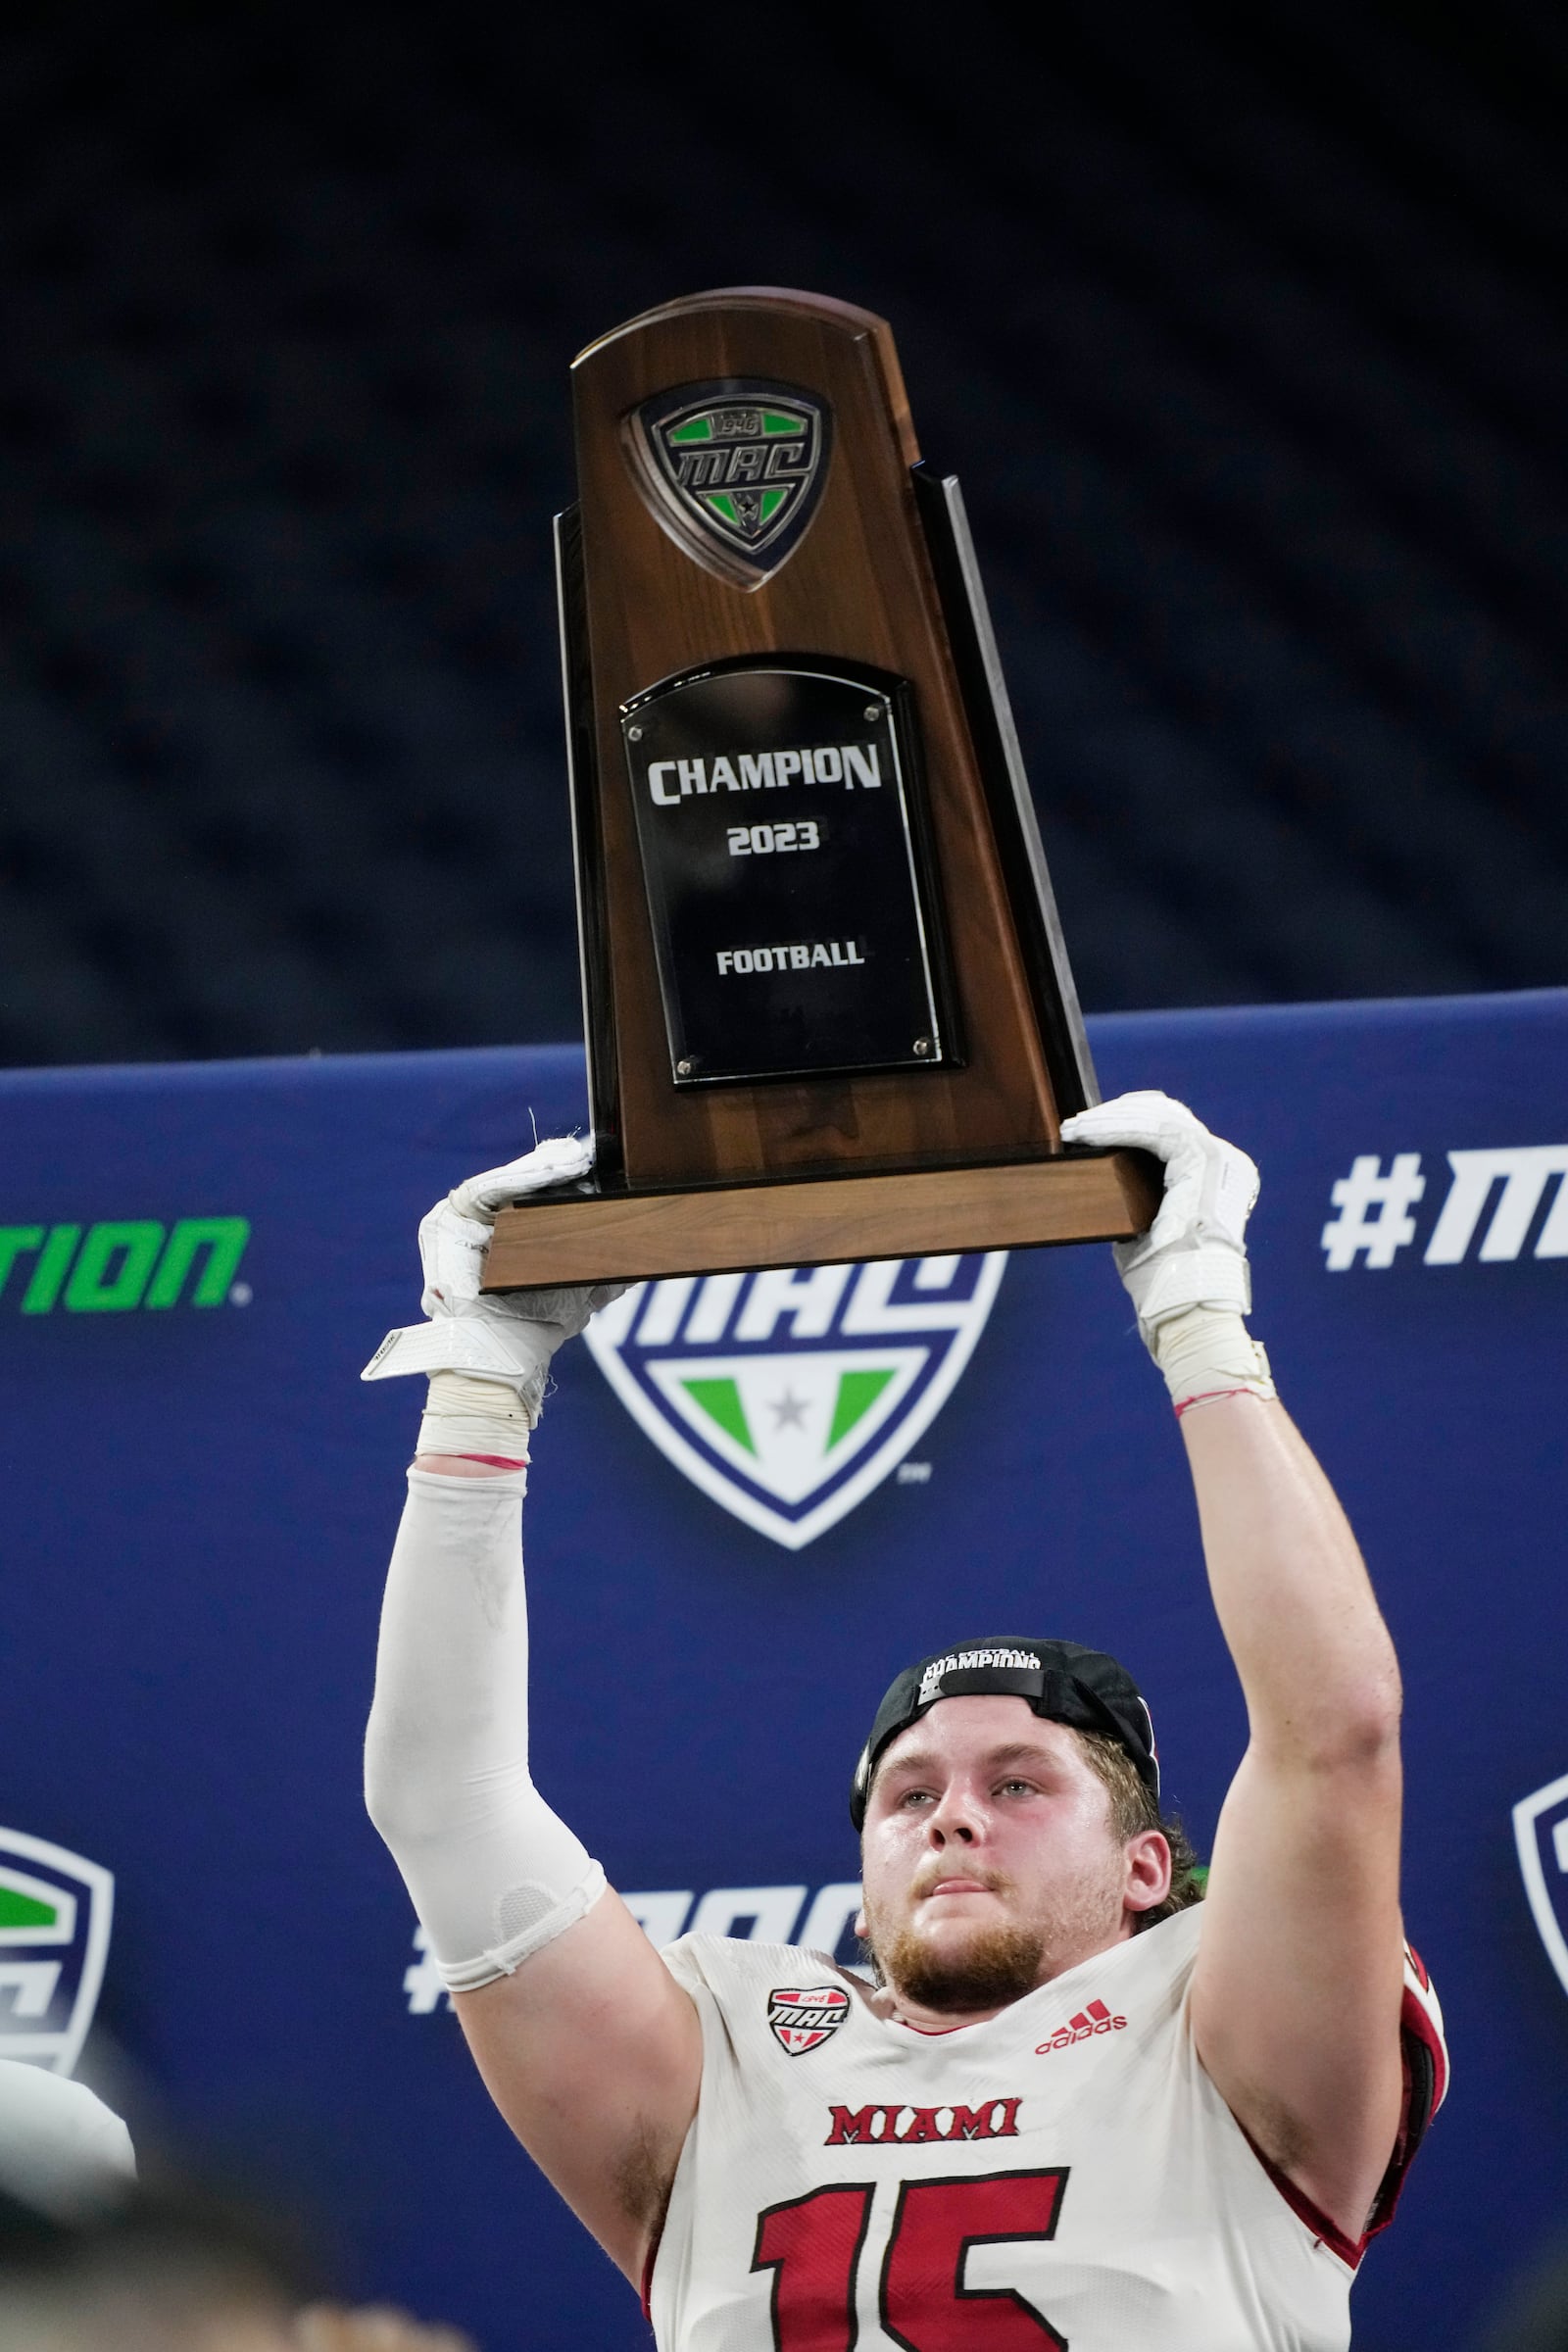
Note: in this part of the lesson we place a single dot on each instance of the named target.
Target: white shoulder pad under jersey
(1063, 2173)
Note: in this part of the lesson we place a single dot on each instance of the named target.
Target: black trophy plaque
(795, 922)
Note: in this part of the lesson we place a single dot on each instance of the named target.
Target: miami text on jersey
(874, 2127)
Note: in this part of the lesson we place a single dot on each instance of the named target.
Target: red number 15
(813, 2247)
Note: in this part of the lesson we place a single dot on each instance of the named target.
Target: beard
(999, 1963)
(995, 1966)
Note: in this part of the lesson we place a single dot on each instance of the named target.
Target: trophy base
(637, 1237)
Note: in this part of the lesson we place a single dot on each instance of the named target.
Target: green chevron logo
(840, 1397)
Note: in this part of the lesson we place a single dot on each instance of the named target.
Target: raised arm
(589, 2047)
(1296, 1994)
(1296, 1989)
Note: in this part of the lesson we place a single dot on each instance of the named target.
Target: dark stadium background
(1243, 328)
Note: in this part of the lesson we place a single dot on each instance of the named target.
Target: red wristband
(1210, 1396)
(493, 1461)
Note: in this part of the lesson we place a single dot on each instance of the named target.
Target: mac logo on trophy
(733, 470)
(828, 1010)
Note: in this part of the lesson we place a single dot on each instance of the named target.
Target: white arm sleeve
(493, 1873)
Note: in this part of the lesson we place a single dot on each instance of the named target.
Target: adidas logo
(1094, 2017)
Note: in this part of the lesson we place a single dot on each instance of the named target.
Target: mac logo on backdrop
(1541, 1830)
(55, 1915)
(789, 1395)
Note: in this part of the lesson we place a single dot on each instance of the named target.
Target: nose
(957, 1819)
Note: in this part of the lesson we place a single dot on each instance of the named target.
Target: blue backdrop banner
(752, 1500)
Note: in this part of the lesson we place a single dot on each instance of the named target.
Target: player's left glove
(1187, 1276)
(476, 1347)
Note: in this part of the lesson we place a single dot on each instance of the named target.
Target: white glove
(1188, 1275)
(507, 1339)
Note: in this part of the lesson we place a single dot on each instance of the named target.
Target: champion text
(670, 781)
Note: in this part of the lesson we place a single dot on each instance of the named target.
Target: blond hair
(1134, 1807)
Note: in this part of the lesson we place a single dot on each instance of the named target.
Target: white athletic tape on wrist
(1207, 1352)
(464, 1416)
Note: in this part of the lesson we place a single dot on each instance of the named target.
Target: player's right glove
(488, 1357)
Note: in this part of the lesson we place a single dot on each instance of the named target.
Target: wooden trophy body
(828, 1012)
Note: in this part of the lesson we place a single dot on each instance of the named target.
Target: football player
(1076, 2105)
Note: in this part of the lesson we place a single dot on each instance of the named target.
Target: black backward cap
(1061, 1679)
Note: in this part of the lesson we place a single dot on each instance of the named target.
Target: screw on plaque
(634, 734)
(922, 1044)
(873, 712)
(683, 1070)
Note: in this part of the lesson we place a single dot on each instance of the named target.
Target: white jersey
(1063, 2175)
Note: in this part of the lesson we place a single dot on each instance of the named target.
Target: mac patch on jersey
(789, 1395)
(804, 2016)
(55, 1915)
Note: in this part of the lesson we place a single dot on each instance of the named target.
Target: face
(989, 1860)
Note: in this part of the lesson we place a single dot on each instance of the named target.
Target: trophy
(827, 1006)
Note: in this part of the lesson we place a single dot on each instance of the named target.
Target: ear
(859, 1924)
(1147, 1871)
